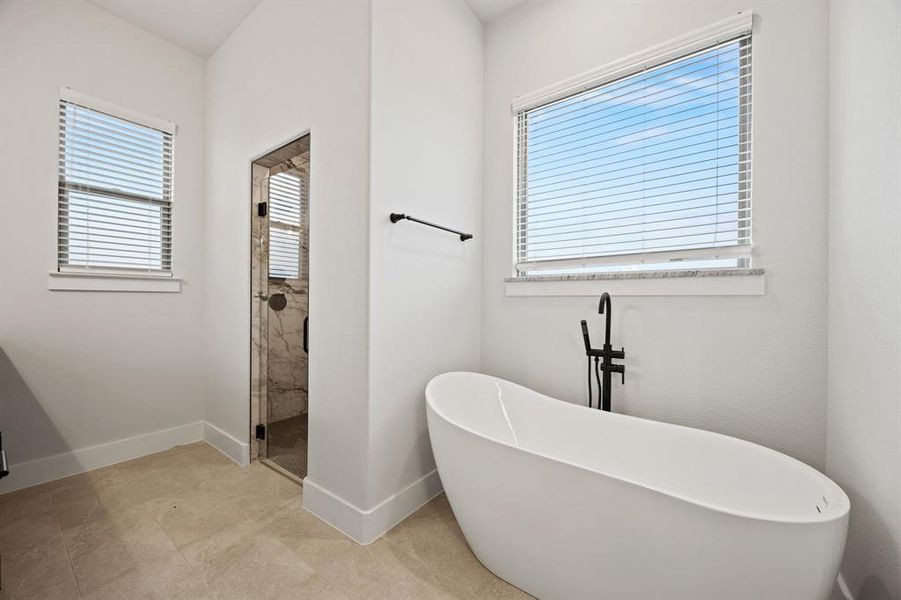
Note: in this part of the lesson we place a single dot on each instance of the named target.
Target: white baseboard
(50, 468)
(843, 588)
(230, 446)
(366, 526)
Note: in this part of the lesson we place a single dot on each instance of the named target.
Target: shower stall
(280, 292)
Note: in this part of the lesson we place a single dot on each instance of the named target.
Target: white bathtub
(567, 502)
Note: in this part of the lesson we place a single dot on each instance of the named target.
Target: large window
(649, 169)
(115, 193)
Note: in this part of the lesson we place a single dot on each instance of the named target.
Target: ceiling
(199, 26)
(488, 10)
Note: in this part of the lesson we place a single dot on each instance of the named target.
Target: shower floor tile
(287, 444)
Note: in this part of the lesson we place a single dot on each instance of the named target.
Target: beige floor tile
(432, 536)
(380, 572)
(246, 562)
(158, 475)
(169, 579)
(20, 495)
(24, 533)
(39, 570)
(195, 516)
(77, 500)
(258, 490)
(106, 549)
(115, 529)
(210, 464)
(62, 591)
(24, 504)
(316, 542)
(26, 519)
(83, 479)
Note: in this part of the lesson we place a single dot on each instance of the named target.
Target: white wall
(864, 408)
(84, 368)
(424, 283)
(382, 291)
(753, 367)
(288, 68)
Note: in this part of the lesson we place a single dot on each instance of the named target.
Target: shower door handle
(306, 335)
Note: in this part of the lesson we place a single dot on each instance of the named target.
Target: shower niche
(280, 292)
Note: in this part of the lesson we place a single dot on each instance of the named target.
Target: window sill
(95, 282)
(700, 282)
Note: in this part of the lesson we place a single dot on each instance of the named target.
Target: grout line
(62, 540)
(159, 524)
(194, 571)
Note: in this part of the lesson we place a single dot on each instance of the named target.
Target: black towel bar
(395, 217)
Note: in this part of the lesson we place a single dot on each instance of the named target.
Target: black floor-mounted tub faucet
(603, 358)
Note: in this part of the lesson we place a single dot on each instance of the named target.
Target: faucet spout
(604, 308)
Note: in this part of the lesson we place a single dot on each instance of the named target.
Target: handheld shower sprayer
(588, 349)
(585, 335)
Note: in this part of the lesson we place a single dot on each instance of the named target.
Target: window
(285, 225)
(115, 191)
(651, 168)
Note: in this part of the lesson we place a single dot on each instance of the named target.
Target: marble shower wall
(287, 393)
(287, 362)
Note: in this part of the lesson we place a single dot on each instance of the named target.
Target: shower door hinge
(261, 432)
(262, 209)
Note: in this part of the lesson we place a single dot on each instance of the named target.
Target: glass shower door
(259, 314)
(283, 317)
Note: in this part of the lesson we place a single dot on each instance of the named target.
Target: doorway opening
(280, 293)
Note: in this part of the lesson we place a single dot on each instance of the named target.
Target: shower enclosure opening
(280, 292)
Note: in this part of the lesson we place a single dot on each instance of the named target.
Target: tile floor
(189, 524)
(286, 444)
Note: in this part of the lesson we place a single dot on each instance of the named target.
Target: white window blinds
(651, 167)
(286, 222)
(115, 193)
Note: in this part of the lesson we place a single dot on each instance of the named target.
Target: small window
(649, 170)
(286, 221)
(115, 194)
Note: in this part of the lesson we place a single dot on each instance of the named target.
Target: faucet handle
(621, 369)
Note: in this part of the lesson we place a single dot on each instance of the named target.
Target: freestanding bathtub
(567, 502)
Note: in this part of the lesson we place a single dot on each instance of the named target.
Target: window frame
(684, 46)
(65, 272)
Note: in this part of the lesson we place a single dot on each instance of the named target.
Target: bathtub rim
(839, 509)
